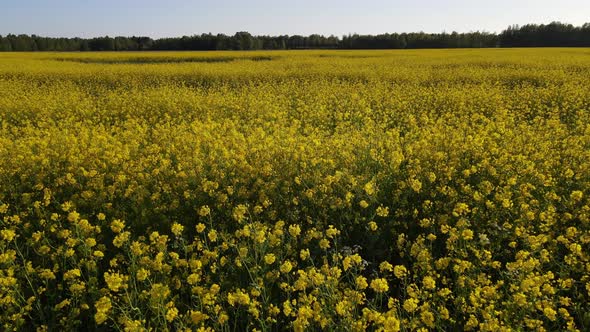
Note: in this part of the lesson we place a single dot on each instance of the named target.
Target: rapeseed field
(414, 190)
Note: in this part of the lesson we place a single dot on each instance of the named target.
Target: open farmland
(338, 190)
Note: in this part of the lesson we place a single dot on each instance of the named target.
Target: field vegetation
(409, 190)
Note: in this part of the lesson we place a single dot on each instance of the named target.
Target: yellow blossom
(382, 211)
(171, 314)
(361, 282)
(428, 282)
(204, 211)
(212, 235)
(177, 229)
(294, 230)
(286, 267)
(7, 234)
(269, 258)
(103, 307)
(379, 285)
(373, 226)
(115, 281)
(400, 271)
(117, 225)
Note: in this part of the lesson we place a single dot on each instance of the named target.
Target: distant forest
(554, 34)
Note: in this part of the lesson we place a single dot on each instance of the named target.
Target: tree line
(531, 35)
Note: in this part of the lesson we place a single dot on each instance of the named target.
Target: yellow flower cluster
(404, 190)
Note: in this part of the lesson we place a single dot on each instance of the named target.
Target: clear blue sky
(164, 18)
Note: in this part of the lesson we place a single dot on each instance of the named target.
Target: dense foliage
(338, 190)
(553, 34)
